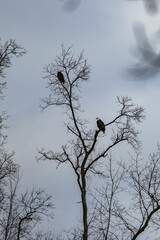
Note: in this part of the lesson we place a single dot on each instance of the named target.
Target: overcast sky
(105, 30)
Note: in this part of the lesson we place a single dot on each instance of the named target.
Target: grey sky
(104, 30)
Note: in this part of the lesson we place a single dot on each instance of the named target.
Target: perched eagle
(100, 125)
(60, 77)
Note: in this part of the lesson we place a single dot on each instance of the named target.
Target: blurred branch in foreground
(151, 6)
(147, 59)
(70, 5)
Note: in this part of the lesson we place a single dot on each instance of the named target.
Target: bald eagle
(60, 77)
(100, 125)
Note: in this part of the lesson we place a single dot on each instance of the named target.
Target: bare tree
(105, 199)
(129, 202)
(8, 168)
(20, 214)
(144, 179)
(82, 152)
(8, 50)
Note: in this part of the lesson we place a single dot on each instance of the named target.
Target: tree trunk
(84, 206)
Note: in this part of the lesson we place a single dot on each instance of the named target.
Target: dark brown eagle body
(60, 77)
(100, 125)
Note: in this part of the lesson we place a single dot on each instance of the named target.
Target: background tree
(8, 168)
(128, 204)
(82, 152)
(20, 214)
(8, 50)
